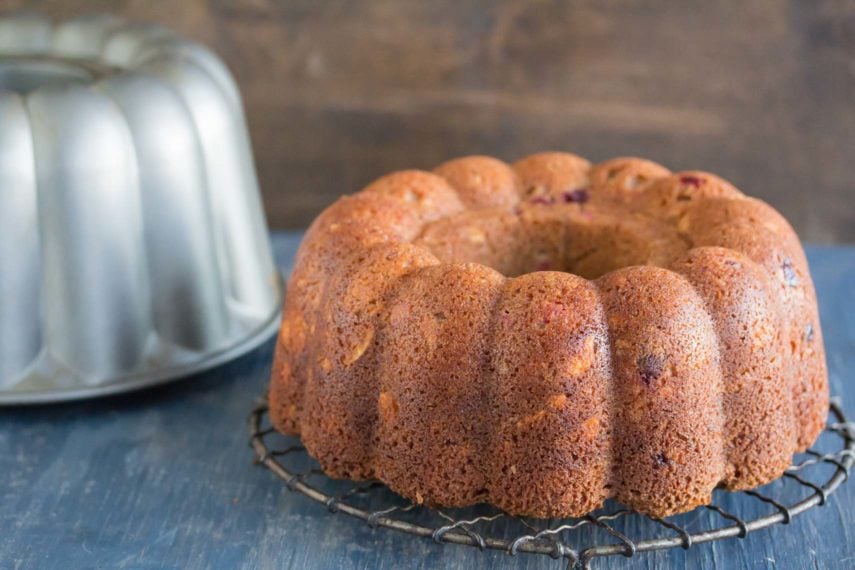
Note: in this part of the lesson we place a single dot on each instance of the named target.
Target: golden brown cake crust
(547, 335)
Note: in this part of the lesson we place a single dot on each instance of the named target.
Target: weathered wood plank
(163, 479)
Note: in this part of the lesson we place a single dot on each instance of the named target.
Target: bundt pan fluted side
(133, 244)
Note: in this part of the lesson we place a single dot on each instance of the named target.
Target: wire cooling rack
(610, 531)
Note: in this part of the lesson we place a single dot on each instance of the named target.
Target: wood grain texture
(338, 93)
(163, 479)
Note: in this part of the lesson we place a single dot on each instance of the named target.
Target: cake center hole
(588, 246)
(25, 76)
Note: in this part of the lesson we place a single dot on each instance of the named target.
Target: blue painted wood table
(164, 479)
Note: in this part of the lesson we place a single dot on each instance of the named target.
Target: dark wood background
(338, 93)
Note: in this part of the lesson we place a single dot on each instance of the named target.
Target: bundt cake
(547, 335)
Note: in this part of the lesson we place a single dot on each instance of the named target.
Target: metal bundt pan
(133, 244)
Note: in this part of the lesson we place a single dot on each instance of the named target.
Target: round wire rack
(610, 531)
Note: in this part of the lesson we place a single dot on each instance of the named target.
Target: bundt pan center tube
(133, 245)
(546, 335)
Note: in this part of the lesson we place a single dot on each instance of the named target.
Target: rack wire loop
(569, 540)
(684, 535)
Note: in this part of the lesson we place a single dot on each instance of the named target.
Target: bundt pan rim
(136, 248)
(142, 380)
